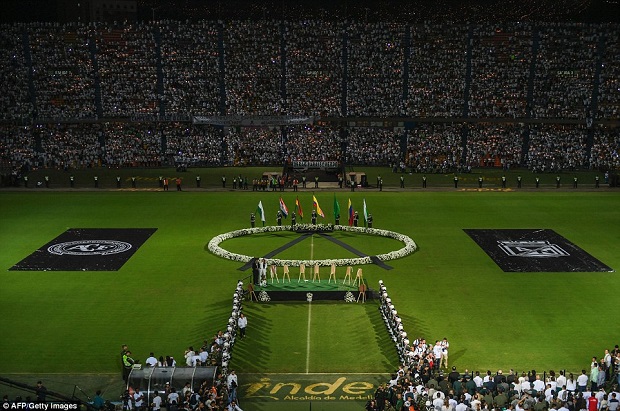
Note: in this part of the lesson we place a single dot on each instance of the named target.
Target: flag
(336, 208)
(300, 212)
(318, 207)
(283, 208)
(261, 212)
(365, 213)
(350, 212)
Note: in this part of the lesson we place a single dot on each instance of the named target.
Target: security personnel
(47, 181)
(340, 180)
(314, 217)
(456, 181)
(557, 182)
(303, 181)
(369, 221)
(402, 182)
(380, 184)
(133, 182)
(293, 219)
(480, 182)
(295, 184)
(356, 218)
(161, 181)
(197, 181)
(537, 181)
(337, 222)
(96, 181)
(118, 181)
(279, 218)
(223, 181)
(378, 180)
(424, 181)
(596, 182)
(128, 363)
(503, 181)
(575, 182)
(165, 183)
(72, 181)
(316, 181)
(518, 181)
(234, 183)
(26, 181)
(252, 220)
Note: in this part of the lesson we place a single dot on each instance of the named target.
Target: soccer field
(172, 293)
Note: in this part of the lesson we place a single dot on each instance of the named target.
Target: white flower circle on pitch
(408, 248)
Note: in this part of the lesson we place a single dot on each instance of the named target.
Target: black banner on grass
(534, 250)
(87, 249)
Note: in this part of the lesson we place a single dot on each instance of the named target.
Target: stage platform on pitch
(298, 291)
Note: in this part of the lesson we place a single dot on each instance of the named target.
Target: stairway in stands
(595, 92)
(525, 148)
(28, 59)
(92, 48)
(161, 100)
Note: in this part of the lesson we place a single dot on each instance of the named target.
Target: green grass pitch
(173, 293)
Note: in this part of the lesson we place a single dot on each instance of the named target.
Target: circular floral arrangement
(409, 245)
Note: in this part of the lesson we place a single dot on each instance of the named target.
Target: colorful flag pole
(298, 209)
(365, 214)
(351, 212)
(283, 208)
(318, 207)
(336, 209)
(261, 212)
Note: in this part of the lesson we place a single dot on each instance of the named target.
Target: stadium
(396, 196)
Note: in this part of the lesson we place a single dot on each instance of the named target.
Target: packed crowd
(605, 151)
(253, 146)
(63, 73)
(501, 58)
(425, 387)
(312, 144)
(253, 68)
(415, 12)
(313, 68)
(609, 86)
(309, 67)
(420, 384)
(127, 69)
(565, 67)
(15, 103)
(557, 147)
(193, 145)
(189, 78)
(494, 145)
(434, 148)
(375, 69)
(428, 147)
(374, 147)
(437, 65)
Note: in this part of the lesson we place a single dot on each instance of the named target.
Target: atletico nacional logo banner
(534, 250)
(87, 249)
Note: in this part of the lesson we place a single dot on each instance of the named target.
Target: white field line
(308, 338)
